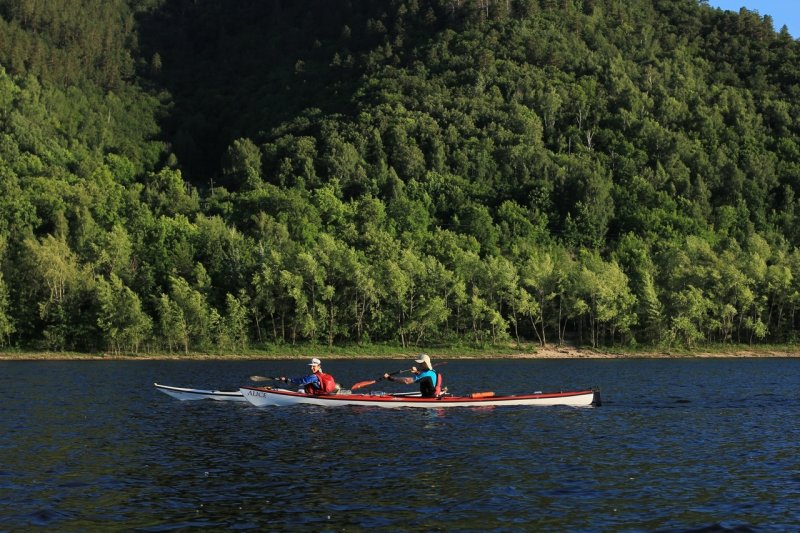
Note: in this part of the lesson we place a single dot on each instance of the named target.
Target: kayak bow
(200, 394)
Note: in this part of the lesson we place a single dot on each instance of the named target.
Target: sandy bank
(549, 352)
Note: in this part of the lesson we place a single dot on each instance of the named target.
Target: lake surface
(678, 445)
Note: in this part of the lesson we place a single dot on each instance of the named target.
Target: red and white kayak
(200, 394)
(262, 397)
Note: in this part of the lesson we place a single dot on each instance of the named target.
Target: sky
(782, 11)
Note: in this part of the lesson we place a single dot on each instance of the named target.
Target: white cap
(314, 361)
(424, 359)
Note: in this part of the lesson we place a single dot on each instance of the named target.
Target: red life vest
(326, 384)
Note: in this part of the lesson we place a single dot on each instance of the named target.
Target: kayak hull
(184, 394)
(262, 397)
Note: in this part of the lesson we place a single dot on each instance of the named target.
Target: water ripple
(675, 448)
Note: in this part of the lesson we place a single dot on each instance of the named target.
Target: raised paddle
(361, 384)
(264, 378)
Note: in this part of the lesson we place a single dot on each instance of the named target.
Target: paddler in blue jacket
(429, 380)
(317, 382)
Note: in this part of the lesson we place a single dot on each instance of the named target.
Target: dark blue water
(678, 445)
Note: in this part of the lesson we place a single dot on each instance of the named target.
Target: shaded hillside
(195, 175)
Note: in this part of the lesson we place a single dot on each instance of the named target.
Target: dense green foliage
(180, 175)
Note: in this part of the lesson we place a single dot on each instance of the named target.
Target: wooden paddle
(367, 383)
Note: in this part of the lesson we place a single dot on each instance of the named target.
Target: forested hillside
(182, 175)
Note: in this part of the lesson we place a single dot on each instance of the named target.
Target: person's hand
(284, 379)
(386, 375)
(414, 370)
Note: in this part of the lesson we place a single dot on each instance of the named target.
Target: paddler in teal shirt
(429, 381)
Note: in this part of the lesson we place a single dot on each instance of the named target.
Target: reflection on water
(678, 445)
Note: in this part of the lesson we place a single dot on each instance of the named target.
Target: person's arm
(405, 381)
(302, 381)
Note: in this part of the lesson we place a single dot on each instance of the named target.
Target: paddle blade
(363, 384)
(262, 378)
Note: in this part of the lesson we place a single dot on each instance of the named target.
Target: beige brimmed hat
(424, 359)
(314, 361)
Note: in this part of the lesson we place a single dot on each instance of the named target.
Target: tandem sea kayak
(262, 397)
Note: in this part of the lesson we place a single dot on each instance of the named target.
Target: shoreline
(549, 352)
